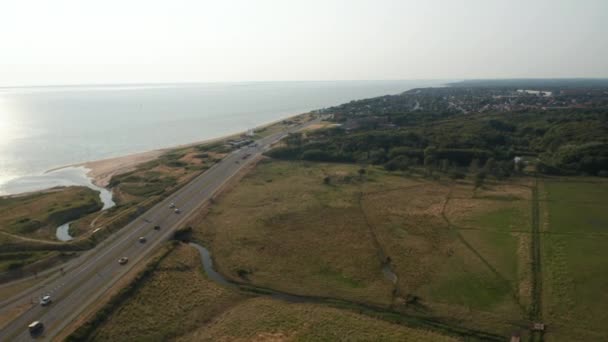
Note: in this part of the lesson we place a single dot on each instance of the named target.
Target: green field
(461, 255)
(575, 259)
(28, 224)
(178, 302)
(325, 230)
(37, 215)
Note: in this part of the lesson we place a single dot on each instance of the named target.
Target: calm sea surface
(42, 128)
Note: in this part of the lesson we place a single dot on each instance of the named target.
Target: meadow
(349, 238)
(401, 241)
(575, 258)
(177, 301)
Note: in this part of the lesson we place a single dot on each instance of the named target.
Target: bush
(400, 162)
(316, 155)
(457, 175)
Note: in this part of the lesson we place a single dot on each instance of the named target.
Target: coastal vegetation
(37, 215)
(379, 238)
(173, 299)
(28, 224)
(458, 128)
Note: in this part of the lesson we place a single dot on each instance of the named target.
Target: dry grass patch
(324, 229)
(410, 228)
(264, 319)
(284, 228)
(176, 299)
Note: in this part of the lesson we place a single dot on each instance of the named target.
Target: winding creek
(422, 321)
(63, 232)
(218, 278)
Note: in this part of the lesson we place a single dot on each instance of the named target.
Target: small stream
(389, 274)
(63, 232)
(218, 278)
(78, 176)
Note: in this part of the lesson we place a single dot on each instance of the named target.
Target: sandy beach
(101, 171)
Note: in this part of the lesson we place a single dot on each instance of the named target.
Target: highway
(89, 276)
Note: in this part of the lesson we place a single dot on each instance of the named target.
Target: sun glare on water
(7, 132)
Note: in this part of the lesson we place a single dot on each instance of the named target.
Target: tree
(361, 172)
(474, 166)
(456, 175)
(445, 165)
(490, 166)
(377, 156)
(479, 179)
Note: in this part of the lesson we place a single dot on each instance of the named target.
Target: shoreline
(101, 171)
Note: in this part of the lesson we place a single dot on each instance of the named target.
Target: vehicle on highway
(123, 260)
(142, 239)
(45, 300)
(172, 205)
(157, 227)
(177, 211)
(35, 327)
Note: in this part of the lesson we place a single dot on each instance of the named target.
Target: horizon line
(173, 83)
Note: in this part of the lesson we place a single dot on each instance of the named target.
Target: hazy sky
(64, 42)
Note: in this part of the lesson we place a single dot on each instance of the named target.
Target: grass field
(175, 300)
(575, 259)
(37, 215)
(324, 230)
(178, 301)
(263, 319)
(460, 255)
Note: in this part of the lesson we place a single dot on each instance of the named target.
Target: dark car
(35, 328)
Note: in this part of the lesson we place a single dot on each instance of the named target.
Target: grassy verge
(84, 332)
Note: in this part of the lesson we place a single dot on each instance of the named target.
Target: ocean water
(42, 128)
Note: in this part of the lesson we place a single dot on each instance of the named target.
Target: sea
(43, 128)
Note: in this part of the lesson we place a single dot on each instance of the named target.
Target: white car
(123, 260)
(45, 300)
(172, 205)
(177, 211)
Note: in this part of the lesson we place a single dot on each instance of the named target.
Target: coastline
(101, 171)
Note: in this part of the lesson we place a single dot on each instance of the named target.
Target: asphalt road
(89, 276)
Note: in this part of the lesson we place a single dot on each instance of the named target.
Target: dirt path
(23, 238)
